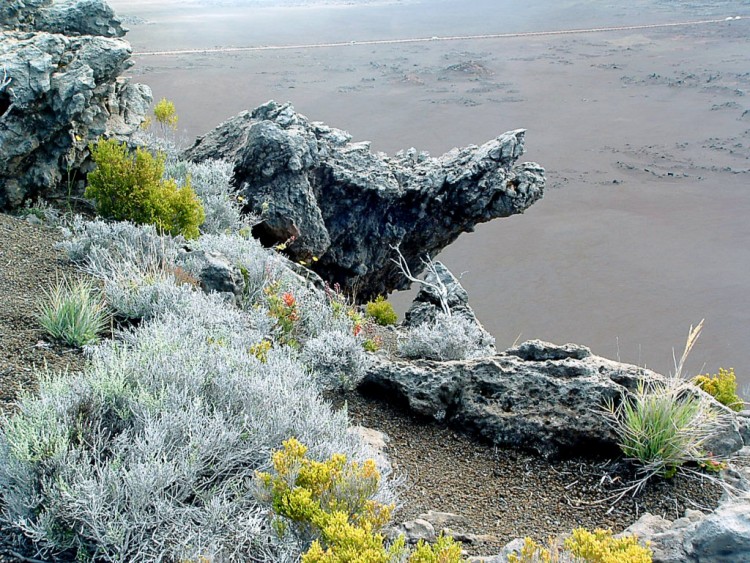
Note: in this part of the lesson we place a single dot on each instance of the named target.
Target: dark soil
(502, 493)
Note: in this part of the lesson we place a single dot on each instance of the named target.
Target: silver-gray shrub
(135, 263)
(336, 358)
(211, 181)
(85, 243)
(150, 453)
(447, 338)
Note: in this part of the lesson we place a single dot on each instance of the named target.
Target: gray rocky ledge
(537, 396)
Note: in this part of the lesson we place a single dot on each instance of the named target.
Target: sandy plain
(645, 135)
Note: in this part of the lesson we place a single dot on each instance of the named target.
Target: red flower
(288, 299)
(357, 329)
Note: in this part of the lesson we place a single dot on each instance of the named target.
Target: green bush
(722, 386)
(381, 311)
(73, 313)
(130, 187)
(166, 114)
(598, 546)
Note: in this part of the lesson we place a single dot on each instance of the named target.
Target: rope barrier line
(428, 39)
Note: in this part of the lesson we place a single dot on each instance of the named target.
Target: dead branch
(438, 287)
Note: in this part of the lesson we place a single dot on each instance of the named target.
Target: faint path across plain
(434, 38)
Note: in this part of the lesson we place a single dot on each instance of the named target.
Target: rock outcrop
(65, 17)
(343, 208)
(537, 396)
(720, 537)
(62, 62)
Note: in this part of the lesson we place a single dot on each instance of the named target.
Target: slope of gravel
(502, 493)
(29, 266)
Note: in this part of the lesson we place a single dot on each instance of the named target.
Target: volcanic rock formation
(60, 88)
(343, 209)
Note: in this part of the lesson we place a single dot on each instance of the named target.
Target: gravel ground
(502, 493)
(29, 265)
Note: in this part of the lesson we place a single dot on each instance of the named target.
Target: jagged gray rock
(347, 207)
(66, 17)
(538, 396)
(62, 92)
(720, 537)
(217, 274)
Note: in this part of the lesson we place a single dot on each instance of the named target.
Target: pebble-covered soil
(502, 493)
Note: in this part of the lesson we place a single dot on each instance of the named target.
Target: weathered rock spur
(60, 88)
(346, 208)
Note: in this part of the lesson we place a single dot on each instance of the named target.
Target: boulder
(723, 536)
(60, 92)
(414, 531)
(537, 396)
(344, 209)
(217, 274)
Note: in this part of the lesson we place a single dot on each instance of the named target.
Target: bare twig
(24, 558)
(5, 81)
(438, 287)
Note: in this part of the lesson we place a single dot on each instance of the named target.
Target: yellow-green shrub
(166, 114)
(331, 502)
(722, 386)
(381, 311)
(130, 187)
(598, 546)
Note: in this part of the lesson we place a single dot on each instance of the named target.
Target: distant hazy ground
(646, 135)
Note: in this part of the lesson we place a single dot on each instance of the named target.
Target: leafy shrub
(166, 114)
(381, 311)
(583, 546)
(282, 306)
(73, 312)
(134, 294)
(330, 502)
(131, 188)
(150, 453)
(338, 359)
(448, 338)
(664, 425)
(721, 386)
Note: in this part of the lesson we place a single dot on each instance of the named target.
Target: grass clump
(721, 386)
(330, 502)
(663, 426)
(584, 546)
(73, 313)
(131, 188)
(381, 311)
